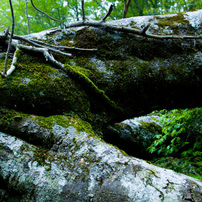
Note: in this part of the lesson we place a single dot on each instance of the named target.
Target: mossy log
(51, 113)
(123, 75)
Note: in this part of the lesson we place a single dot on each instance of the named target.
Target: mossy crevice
(38, 130)
(91, 87)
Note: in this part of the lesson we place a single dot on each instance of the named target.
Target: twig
(64, 47)
(38, 45)
(47, 14)
(108, 13)
(44, 51)
(83, 11)
(130, 30)
(145, 29)
(10, 39)
(12, 67)
(27, 16)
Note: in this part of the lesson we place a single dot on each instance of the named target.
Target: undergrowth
(180, 139)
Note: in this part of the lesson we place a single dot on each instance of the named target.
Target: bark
(151, 88)
(83, 11)
(54, 106)
(52, 161)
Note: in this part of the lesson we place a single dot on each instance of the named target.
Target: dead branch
(108, 13)
(44, 51)
(83, 11)
(142, 32)
(47, 14)
(41, 46)
(10, 39)
(12, 67)
(44, 48)
(64, 47)
(27, 16)
(54, 48)
(145, 29)
(130, 30)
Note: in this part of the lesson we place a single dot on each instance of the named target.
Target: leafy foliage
(181, 134)
(179, 145)
(187, 166)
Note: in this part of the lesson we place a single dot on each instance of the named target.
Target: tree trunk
(55, 104)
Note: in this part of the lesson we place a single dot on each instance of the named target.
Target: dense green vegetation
(181, 133)
(68, 11)
(180, 144)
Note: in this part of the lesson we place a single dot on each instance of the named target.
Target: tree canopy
(68, 11)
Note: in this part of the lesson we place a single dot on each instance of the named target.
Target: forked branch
(10, 39)
(47, 14)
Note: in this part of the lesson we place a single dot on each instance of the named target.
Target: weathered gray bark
(79, 166)
(60, 157)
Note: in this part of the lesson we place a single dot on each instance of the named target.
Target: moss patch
(151, 127)
(64, 121)
(176, 23)
(37, 87)
(87, 40)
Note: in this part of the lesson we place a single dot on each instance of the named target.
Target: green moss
(40, 155)
(36, 85)
(172, 26)
(172, 22)
(64, 121)
(132, 25)
(82, 69)
(89, 85)
(179, 18)
(86, 38)
(8, 115)
(45, 157)
(2, 62)
(150, 126)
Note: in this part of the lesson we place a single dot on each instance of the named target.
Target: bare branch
(131, 30)
(145, 29)
(27, 17)
(10, 39)
(108, 13)
(45, 52)
(47, 14)
(38, 45)
(12, 67)
(64, 47)
(83, 11)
